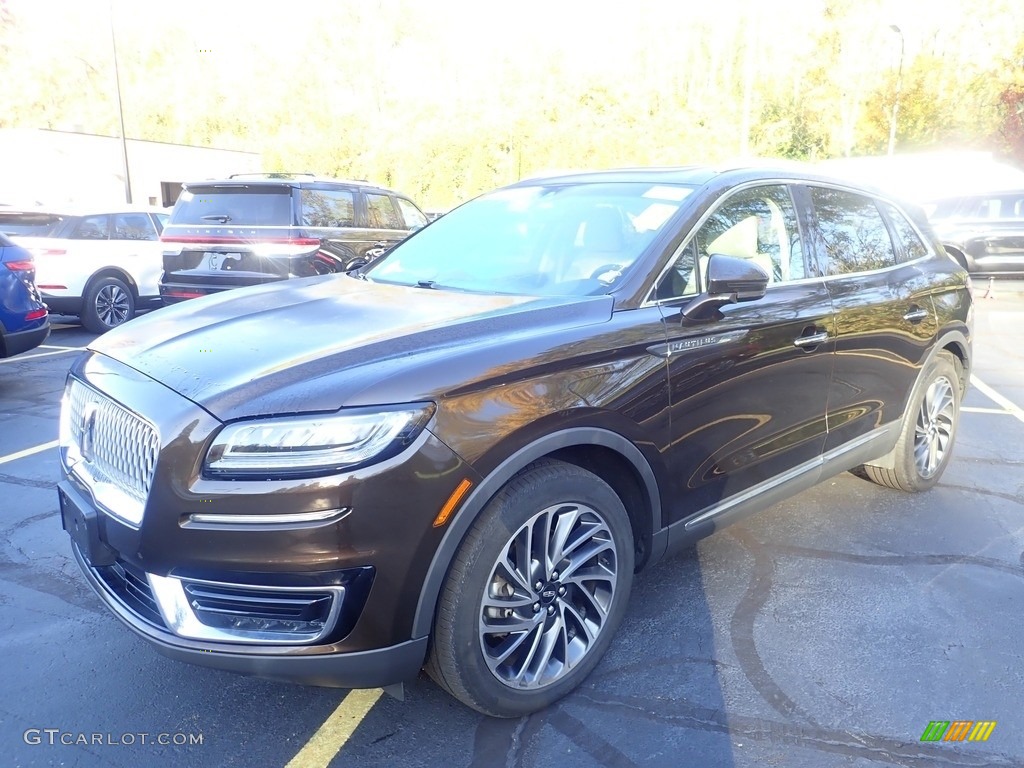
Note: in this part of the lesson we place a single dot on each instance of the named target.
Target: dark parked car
(24, 321)
(983, 232)
(260, 228)
(461, 455)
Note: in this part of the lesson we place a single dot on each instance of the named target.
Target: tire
(566, 624)
(929, 429)
(108, 303)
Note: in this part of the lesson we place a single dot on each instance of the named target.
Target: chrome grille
(112, 450)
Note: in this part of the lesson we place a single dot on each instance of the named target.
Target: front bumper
(323, 666)
(355, 547)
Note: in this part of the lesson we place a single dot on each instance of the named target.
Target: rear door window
(256, 206)
(380, 211)
(852, 233)
(91, 228)
(328, 208)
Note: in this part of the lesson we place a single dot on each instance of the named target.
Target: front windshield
(536, 240)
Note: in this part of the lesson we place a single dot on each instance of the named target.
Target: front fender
(460, 524)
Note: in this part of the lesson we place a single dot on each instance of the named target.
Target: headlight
(309, 446)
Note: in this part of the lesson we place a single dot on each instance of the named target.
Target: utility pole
(120, 110)
(896, 97)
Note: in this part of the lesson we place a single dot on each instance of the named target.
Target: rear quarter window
(909, 241)
(328, 208)
(30, 224)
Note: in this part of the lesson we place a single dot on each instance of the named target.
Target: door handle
(811, 341)
(916, 315)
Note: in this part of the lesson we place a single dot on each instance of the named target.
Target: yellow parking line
(327, 742)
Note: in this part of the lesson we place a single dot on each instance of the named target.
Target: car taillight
(22, 265)
(35, 314)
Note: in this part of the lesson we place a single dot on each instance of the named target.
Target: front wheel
(535, 593)
(108, 303)
(929, 429)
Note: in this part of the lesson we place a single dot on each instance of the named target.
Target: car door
(135, 248)
(748, 388)
(83, 248)
(885, 319)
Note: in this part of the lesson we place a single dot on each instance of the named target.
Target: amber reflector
(452, 503)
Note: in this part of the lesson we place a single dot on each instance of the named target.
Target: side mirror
(729, 280)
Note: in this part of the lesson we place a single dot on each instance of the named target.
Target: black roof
(726, 174)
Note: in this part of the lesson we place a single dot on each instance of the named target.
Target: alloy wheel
(112, 305)
(548, 596)
(934, 430)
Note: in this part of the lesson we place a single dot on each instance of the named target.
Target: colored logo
(958, 730)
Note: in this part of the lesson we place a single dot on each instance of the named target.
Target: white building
(62, 167)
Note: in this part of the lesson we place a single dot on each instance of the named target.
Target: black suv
(260, 228)
(984, 232)
(535, 397)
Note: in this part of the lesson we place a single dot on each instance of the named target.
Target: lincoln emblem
(88, 430)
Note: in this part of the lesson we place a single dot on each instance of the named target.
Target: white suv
(101, 264)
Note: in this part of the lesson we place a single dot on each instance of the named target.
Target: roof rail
(271, 175)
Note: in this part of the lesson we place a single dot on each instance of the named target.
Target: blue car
(24, 320)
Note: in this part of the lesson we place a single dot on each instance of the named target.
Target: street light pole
(120, 111)
(896, 97)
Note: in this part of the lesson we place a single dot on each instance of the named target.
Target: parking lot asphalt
(829, 630)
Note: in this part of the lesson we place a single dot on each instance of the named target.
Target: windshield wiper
(426, 284)
(223, 218)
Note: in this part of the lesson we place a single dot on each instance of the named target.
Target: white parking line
(23, 358)
(995, 397)
(997, 411)
(57, 346)
(29, 451)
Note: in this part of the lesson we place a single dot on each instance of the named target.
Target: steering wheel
(603, 270)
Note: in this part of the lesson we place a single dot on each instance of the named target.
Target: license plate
(84, 527)
(218, 261)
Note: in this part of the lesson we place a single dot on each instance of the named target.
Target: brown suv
(460, 456)
(259, 228)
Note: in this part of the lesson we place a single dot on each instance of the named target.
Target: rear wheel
(929, 429)
(108, 303)
(535, 593)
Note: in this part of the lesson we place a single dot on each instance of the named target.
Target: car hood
(315, 344)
